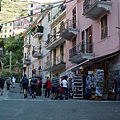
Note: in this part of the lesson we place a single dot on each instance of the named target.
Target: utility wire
(40, 12)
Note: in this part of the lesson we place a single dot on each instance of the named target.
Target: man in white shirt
(64, 84)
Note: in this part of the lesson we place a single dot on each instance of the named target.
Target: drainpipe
(119, 23)
(85, 41)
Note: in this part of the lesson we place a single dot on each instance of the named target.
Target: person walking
(48, 87)
(1, 85)
(33, 83)
(55, 83)
(118, 87)
(25, 83)
(13, 82)
(39, 87)
(64, 84)
(8, 83)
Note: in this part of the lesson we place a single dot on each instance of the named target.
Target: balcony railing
(62, 9)
(69, 29)
(93, 8)
(27, 43)
(55, 62)
(37, 72)
(37, 32)
(27, 60)
(81, 48)
(54, 41)
(36, 53)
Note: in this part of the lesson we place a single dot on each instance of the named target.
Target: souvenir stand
(78, 86)
(95, 83)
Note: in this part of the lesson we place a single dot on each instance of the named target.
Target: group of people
(9, 81)
(53, 87)
(32, 86)
(56, 88)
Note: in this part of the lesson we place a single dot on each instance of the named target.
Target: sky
(46, 0)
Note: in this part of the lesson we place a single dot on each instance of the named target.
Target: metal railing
(81, 48)
(88, 3)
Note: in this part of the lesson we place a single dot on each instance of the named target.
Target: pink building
(92, 39)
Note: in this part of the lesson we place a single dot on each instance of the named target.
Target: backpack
(24, 80)
(33, 81)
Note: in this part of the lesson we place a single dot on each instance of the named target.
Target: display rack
(77, 86)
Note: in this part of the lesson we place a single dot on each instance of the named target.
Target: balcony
(37, 73)
(69, 30)
(94, 8)
(81, 52)
(37, 32)
(54, 41)
(56, 63)
(27, 43)
(27, 60)
(36, 53)
(61, 13)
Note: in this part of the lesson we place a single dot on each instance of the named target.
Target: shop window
(104, 28)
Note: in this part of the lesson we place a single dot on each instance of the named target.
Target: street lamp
(10, 58)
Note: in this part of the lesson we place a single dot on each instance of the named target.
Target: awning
(95, 60)
(105, 57)
(65, 73)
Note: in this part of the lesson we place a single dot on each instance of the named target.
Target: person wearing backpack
(33, 84)
(8, 83)
(1, 85)
(25, 83)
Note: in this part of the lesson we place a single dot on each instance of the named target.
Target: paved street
(14, 107)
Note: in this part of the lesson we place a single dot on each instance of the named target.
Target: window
(5, 36)
(86, 45)
(74, 42)
(31, 12)
(10, 30)
(5, 24)
(48, 16)
(74, 17)
(31, 5)
(31, 19)
(10, 24)
(5, 31)
(104, 28)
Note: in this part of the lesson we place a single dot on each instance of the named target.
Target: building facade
(92, 39)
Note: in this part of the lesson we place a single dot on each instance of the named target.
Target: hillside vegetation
(11, 9)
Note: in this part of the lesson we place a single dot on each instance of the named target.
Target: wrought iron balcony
(36, 53)
(56, 63)
(80, 52)
(54, 41)
(37, 32)
(27, 43)
(94, 8)
(37, 72)
(59, 15)
(69, 29)
(27, 60)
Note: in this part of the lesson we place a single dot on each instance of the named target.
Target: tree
(16, 46)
